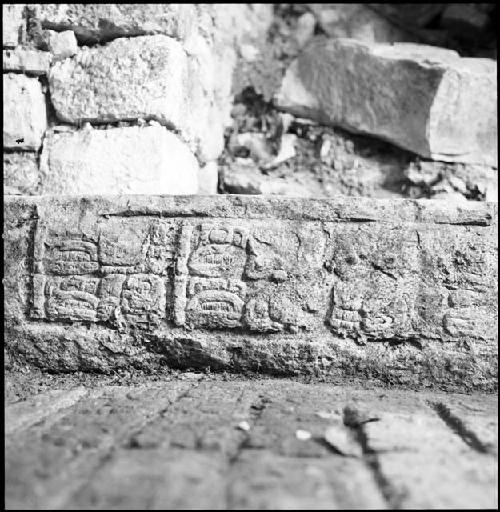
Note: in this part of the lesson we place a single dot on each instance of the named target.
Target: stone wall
(112, 98)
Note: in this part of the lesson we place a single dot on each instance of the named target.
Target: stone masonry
(346, 288)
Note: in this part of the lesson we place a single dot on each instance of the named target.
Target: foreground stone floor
(204, 441)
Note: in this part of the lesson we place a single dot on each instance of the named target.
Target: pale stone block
(20, 173)
(424, 99)
(132, 160)
(12, 21)
(62, 44)
(33, 62)
(149, 77)
(208, 178)
(25, 116)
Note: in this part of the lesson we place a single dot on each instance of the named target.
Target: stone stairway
(250, 256)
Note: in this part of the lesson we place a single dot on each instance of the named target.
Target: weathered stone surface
(130, 160)
(12, 21)
(33, 62)
(347, 287)
(99, 23)
(144, 77)
(208, 179)
(20, 173)
(62, 44)
(357, 21)
(424, 99)
(25, 116)
(176, 445)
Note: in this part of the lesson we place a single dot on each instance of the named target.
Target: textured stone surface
(143, 77)
(20, 173)
(25, 116)
(33, 62)
(93, 23)
(12, 21)
(357, 21)
(424, 99)
(346, 288)
(130, 160)
(175, 444)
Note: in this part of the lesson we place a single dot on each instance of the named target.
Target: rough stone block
(33, 62)
(25, 116)
(144, 77)
(20, 173)
(12, 21)
(424, 99)
(398, 291)
(131, 160)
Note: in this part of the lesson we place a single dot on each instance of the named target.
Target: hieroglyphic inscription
(116, 275)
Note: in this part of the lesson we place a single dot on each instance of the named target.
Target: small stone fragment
(305, 29)
(287, 151)
(25, 116)
(62, 44)
(302, 435)
(244, 425)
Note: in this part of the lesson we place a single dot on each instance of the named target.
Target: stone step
(399, 291)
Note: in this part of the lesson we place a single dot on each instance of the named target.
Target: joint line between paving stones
(108, 453)
(392, 496)
(458, 427)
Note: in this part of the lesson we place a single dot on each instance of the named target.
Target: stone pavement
(205, 441)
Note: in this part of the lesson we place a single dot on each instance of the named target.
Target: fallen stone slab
(148, 77)
(424, 99)
(33, 62)
(128, 160)
(398, 291)
(24, 109)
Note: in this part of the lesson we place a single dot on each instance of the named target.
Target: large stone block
(398, 291)
(132, 160)
(144, 77)
(24, 110)
(424, 99)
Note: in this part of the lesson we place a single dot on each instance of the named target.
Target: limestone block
(12, 21)
(143, 77)
(33, 62)
(132, 160)
(345, 287)
(62, 44)
(424, 99)
(357, 21)
(20, 173)
(99, 23)
(25, 116)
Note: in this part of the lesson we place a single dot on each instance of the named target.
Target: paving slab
(401, 292)
(179, 444)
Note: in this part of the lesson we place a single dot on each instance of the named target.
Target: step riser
(399, 291)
